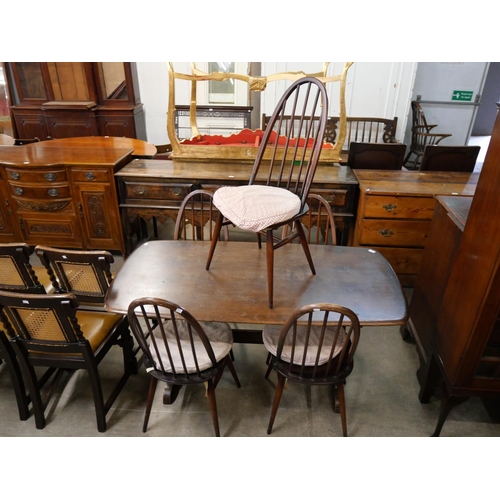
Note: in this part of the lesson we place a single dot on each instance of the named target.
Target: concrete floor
(381, 398)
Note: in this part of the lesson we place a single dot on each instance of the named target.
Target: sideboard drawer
(91, 175)
(47, 192)
(36, 176)
(399, 207)
(156, 191)
(394, 232)
(403, 260)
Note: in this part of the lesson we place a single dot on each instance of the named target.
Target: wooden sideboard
(63, 197)
(395, 209)
(155, 189)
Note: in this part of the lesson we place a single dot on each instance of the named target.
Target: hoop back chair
(449, 158)
(179, 350)
(197, 217)
(86, 274)
(318, 222)
(376, 156)
(49, 331)
(315, 346)
(278, 188)
(421, 136)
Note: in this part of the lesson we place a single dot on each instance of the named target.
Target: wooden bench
(359, 129)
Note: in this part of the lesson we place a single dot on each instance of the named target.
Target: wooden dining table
(141, 149)
(234, 290)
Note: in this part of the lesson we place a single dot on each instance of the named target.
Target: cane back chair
(86, 274)
(278, 188)
(48, 330)
(315, 346)
(179, 350)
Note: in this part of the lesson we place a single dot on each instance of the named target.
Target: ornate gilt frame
(256, 84)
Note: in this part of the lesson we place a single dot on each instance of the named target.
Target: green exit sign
(462, 95)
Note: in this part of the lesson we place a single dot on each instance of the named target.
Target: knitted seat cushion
(255, 208)
(219, 334)
(271, 333)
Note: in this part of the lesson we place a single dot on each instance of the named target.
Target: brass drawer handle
(390, 207)
(18, 191)
(89, 176)
(386, 233)
(140, 190)
(177, 192)
(15, 176)
(53, 192)
(50, 177)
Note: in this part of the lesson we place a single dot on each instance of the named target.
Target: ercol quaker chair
(179, 350)
(318, 223)
(282, 174)
(421, 136)
(315, 346)
(449, 158)
(48, 330)
(86, 274)
(377, 156)
(197, 216)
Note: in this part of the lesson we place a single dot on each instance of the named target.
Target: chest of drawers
(395, 209)
(154, 189)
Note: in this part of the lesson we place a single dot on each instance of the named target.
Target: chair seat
(271, 333)
(96, 325)
(219, 334)
(254, 207)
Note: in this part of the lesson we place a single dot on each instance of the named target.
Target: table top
(234, 290)
(383, 182)
(140, 148)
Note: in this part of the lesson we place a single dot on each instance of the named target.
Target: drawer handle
(18, 191)
(53, 192)
(177, 192)
(386, 233)
(390, 207)
(90, 176)
(50, 177)
(140, 190)
(15, 176)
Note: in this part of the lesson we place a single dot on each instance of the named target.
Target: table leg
(170, 393)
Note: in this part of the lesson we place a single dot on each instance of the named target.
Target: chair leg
(36, 397)
(277, 399)
(230, 365)
(340, 391)
(100, 410)
(213, 407)
(149, 404)
(305, 246)
(270, 266)
(269, 365)
(215, 238)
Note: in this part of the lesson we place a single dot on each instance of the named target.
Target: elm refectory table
(358, 278)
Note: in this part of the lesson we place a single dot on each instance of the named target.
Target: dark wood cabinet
(73, 99)
(455, 307)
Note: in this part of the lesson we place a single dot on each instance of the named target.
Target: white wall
(373, 89)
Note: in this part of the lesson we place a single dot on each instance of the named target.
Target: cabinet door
(98, 208)
(8, 232)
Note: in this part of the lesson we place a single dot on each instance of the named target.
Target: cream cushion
(255, 208)
(271, 334)
(219, 334)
